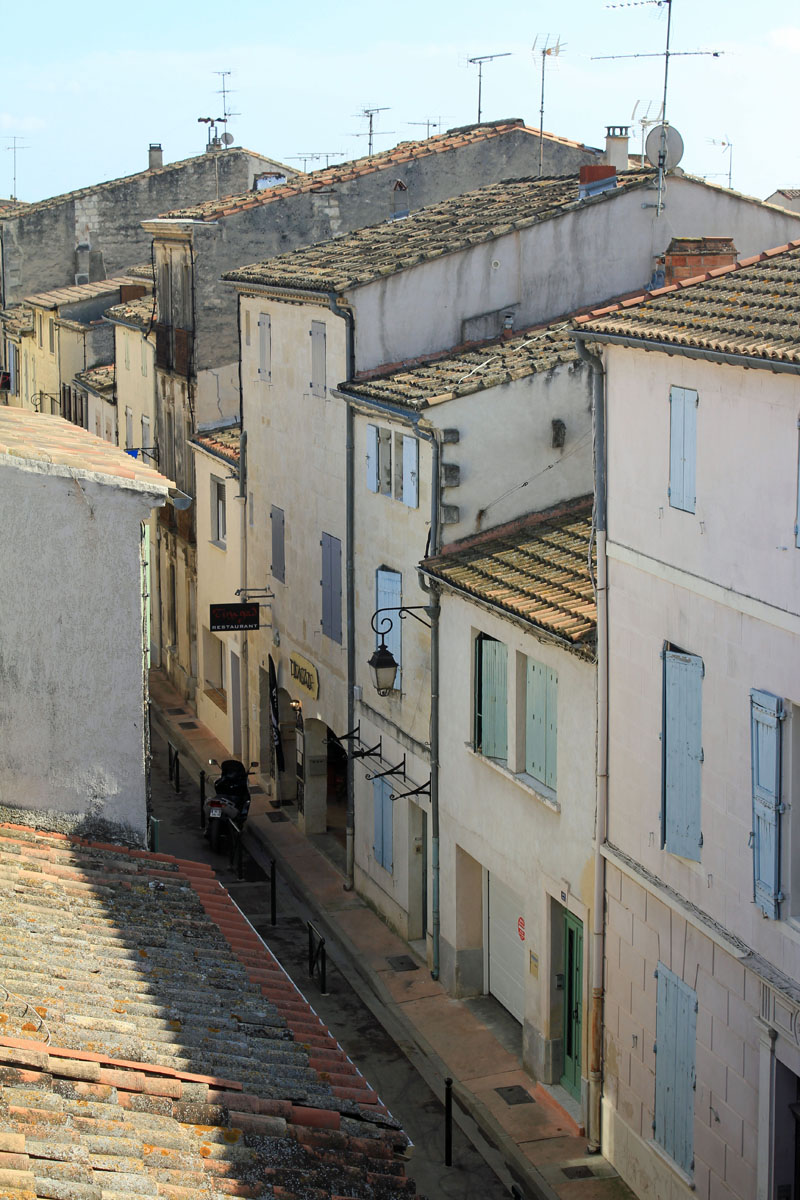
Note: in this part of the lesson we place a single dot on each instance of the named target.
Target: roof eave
(651, 345)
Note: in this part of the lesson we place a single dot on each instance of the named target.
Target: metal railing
(317, 957)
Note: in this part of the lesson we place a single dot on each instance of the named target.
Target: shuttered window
(331, 587)
(682, 447)
(278, 545)
(676, 1028)
(410, 492)
(541, 723)
(766, 714)
(264, 347)
(491, 737)
(682, 754)
(382, 803)
(389, 594)
(318, 358)
(797, 514)
(373, 441)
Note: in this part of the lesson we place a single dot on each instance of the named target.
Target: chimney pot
(616, 154)
(155, 157)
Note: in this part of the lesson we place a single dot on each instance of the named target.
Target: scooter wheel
(214, 835)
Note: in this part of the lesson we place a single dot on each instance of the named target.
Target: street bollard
(448, 1122)
(176, 781)
(273, 894)
(154, 824)
(202, 799)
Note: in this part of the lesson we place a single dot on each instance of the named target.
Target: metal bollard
(202, 799)
(154, 825)
(176, 782)
(273, 894)
(448, 1122)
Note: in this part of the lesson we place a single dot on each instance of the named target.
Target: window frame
(219, 508)
(331, 587)
(489, 676)
(319, 365)
(682, 490)
(675, 1071)
(389, 594)
(383, 807)
(767, 713)
(541, 679)
(681, 832)
(277, 518)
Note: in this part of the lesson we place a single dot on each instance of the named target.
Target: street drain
(578, 1172)
(277, 816)
(515, 1095)
(188, 724)
(402, 962)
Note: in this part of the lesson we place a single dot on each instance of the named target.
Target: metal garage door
(506, 951)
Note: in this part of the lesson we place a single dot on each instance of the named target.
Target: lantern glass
(383, 669)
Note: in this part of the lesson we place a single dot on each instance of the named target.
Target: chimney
(155, 157)
(617, 146)
(595, 178)
(688, 257)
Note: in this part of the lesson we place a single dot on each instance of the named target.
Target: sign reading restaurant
(304, 674)
(233, 616)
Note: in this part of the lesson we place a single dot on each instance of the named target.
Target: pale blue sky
(89, 86)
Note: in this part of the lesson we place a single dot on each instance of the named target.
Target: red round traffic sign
(521, 929)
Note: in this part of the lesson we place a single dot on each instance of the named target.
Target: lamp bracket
(374, 752)
(260, 593)
(384, 624)
(400, 769)
(345, 737)
(423, 790)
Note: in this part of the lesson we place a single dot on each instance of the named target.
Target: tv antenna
(225, 92)
(478, 61)
(645, 122)
(726, 145)
(666, 54)
(213, 142)
(14, 147)
(429, 125)
(546, 51)
(370, 114)
(315, 156)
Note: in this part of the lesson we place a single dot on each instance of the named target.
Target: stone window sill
(544, 795)
(217, 696)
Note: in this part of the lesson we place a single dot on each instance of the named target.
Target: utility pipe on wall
(244, 679)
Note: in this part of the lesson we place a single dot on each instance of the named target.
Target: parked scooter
(231, 799)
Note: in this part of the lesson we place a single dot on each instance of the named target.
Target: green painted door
(573, 999)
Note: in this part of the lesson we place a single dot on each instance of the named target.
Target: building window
(682, 754)
(383, 811)
(218, 522)
(389, 594)
(331, 587)
(277, 518)
(318, 378)
(214, 670)
(39, 325)
(265, 347)
(393, 470)
(491, 672)
(541, 723)
(246, 326)
(682, 447)
(51, 332)
(766, 715)
(676, 1026)
(144, 345)
(127, 342)
(128, 427)
(148, 449)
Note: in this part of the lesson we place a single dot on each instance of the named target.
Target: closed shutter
(682, 448)
(797, 517)
(541, 733)
(331, 587)
(410, 472)
(372, 458)
(318, 358)
(676, 1028)
(382, 803)
(494, 742)
(389, 594)
(278, 545)
(264, 347)
(507, 951)
(683, 753)
(766, 712)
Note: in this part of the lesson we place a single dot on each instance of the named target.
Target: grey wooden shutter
(494, 737)
(278, 544)
(682, 448)
(372, 458)
(389, 594)
(683, 753)
(264, 347)
(332, 587)
(766, 713)
(383, 814)
(410, 472)
(676, 1033)
(318, 358)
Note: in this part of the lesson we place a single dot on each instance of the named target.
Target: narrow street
(355, 1025)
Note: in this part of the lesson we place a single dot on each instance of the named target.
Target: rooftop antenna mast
(645, 122)
(370, 114)
(478, 61)
(727, 148)
(225, 92)
(429, 124)
(14, 147)
(546, 50)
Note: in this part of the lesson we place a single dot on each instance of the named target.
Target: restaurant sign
(304, 674)
(241, 616)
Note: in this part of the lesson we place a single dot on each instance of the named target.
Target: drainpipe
(350, 599)
(244, 682)
(595, 363)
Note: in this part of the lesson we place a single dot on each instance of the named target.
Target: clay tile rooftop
(220, 443)
(749, 308)
(99, 379)
(443, 228)
(136, 313)
(49, 442)
(535, 568)
(75, 293)
(151, 1045)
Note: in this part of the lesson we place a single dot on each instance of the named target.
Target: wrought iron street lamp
(382, 665)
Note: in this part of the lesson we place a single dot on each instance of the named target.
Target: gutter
(716, 356)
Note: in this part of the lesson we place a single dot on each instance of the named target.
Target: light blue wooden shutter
(683, 753)
(383, 812)
(372, 458)
(264, 347)
(551, 730)
(766, 713)
(541, 732)
(318, 358)
(389, 594)
(410, 471)
(493, 699)
(682, 448)
(676, 1032)
(797, 517)
(278, 544)
(331, 587)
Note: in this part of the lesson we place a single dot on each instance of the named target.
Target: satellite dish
(227, 139)
(673, 146)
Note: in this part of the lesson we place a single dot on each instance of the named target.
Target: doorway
(573, 1002)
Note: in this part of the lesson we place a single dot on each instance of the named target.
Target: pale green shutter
(541, 732)
(551, 729)
(493, 699)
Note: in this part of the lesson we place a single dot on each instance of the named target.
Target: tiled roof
(141, 271)
(42, 438)
(468, 369)
(789, 193)
(132, 312)
(443, 228)
(76, 292)
(750, 308)
(152, 1045)
(99, 379)
(16, 320)
(222, 443)
(536, 568)
(404, 152)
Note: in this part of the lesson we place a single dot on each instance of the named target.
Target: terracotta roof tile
(536, 568)
(138, 313)
(74, 293)
(16, 320)
(750, 308)
(98, 379)
(443, 228)
(222, 442)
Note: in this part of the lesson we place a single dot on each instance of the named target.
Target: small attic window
(269, 180)
(400, 200)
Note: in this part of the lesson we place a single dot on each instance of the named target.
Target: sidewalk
(538, 1141)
